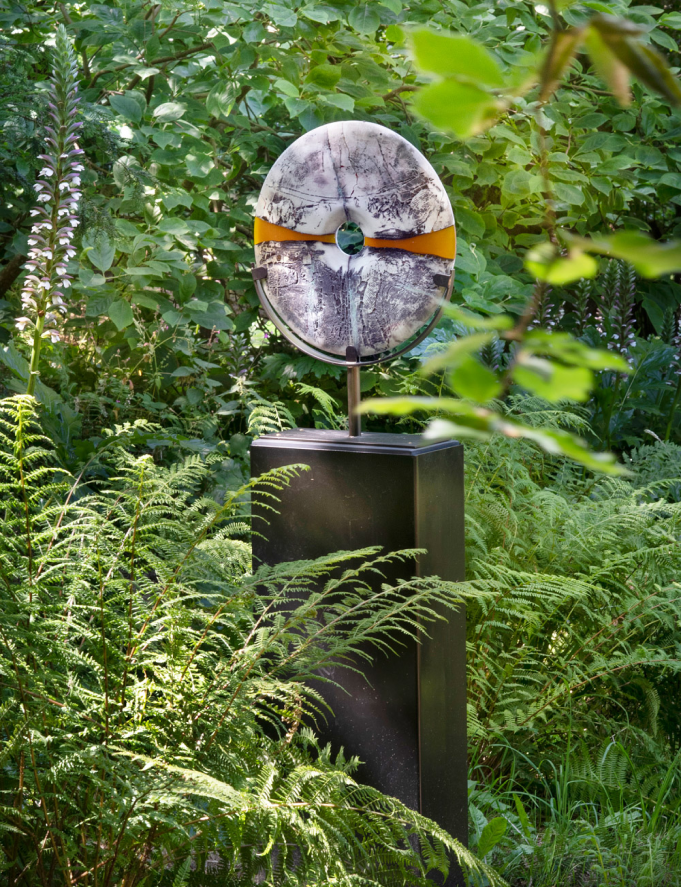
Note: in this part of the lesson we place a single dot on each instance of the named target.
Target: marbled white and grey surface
(363, 173)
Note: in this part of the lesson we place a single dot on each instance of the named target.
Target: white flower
(38, 186)
(23, 322)
(65, 240)
(46, 171)
(44, 284)
(75, 180)
(35, 212)
(78, 167)
(70, 253)
(61, 270)
(64, 186)
(43, 198)
(65, 283)
(32, 242)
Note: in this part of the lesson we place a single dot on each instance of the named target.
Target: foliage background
(572, 581)
(185, 110)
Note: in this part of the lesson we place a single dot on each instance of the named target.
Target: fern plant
(574, 661)
(158, 728)
(268, 417)
(572, 594)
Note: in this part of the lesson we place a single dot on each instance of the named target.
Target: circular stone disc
(367, 174)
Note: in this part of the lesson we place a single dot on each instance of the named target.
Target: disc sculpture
(361, 307)
(354, 247)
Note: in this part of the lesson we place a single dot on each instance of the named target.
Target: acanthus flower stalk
(56, 216)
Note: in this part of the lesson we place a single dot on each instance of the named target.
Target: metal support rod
(354, 399)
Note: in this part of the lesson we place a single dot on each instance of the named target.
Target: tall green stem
(608, 415)
(34, 372)
(672, 411)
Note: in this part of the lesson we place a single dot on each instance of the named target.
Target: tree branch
(10, 272)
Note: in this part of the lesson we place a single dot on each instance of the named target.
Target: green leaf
(569, 350)
(211, 316)
(479, 422)
(220, 100)
(145, 301)
(393, 5)
(455, 56)
(622, 39)
(457, 352)
(552, 381)
(651, 259)
(102, 254)
(471, 222)
(121, 313)
(254, 32)
(280, 15)
(464, 109)
(492, 833)
(395, 34)
(177, 198)
(671, 178)
(523, 817)
(173, 226)
(609, 67)
(286, 87)
(342, 101)
(324, 75)
(564, 45)
(364, 19)
(473, 380)
(671, 20)
(126, 107)
(476, 322)
(665, 40)
(296, 107)
(321, 14)
(199, 165)
(172, 317)
(569, 193)
(188, 284)
(151, 48)
(521, 182)
(169, 111)
(545, 264)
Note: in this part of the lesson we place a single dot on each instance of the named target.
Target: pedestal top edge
(321, 438)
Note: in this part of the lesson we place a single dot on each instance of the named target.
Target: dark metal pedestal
(395, 491)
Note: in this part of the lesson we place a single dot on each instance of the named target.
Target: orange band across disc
(437, 243)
